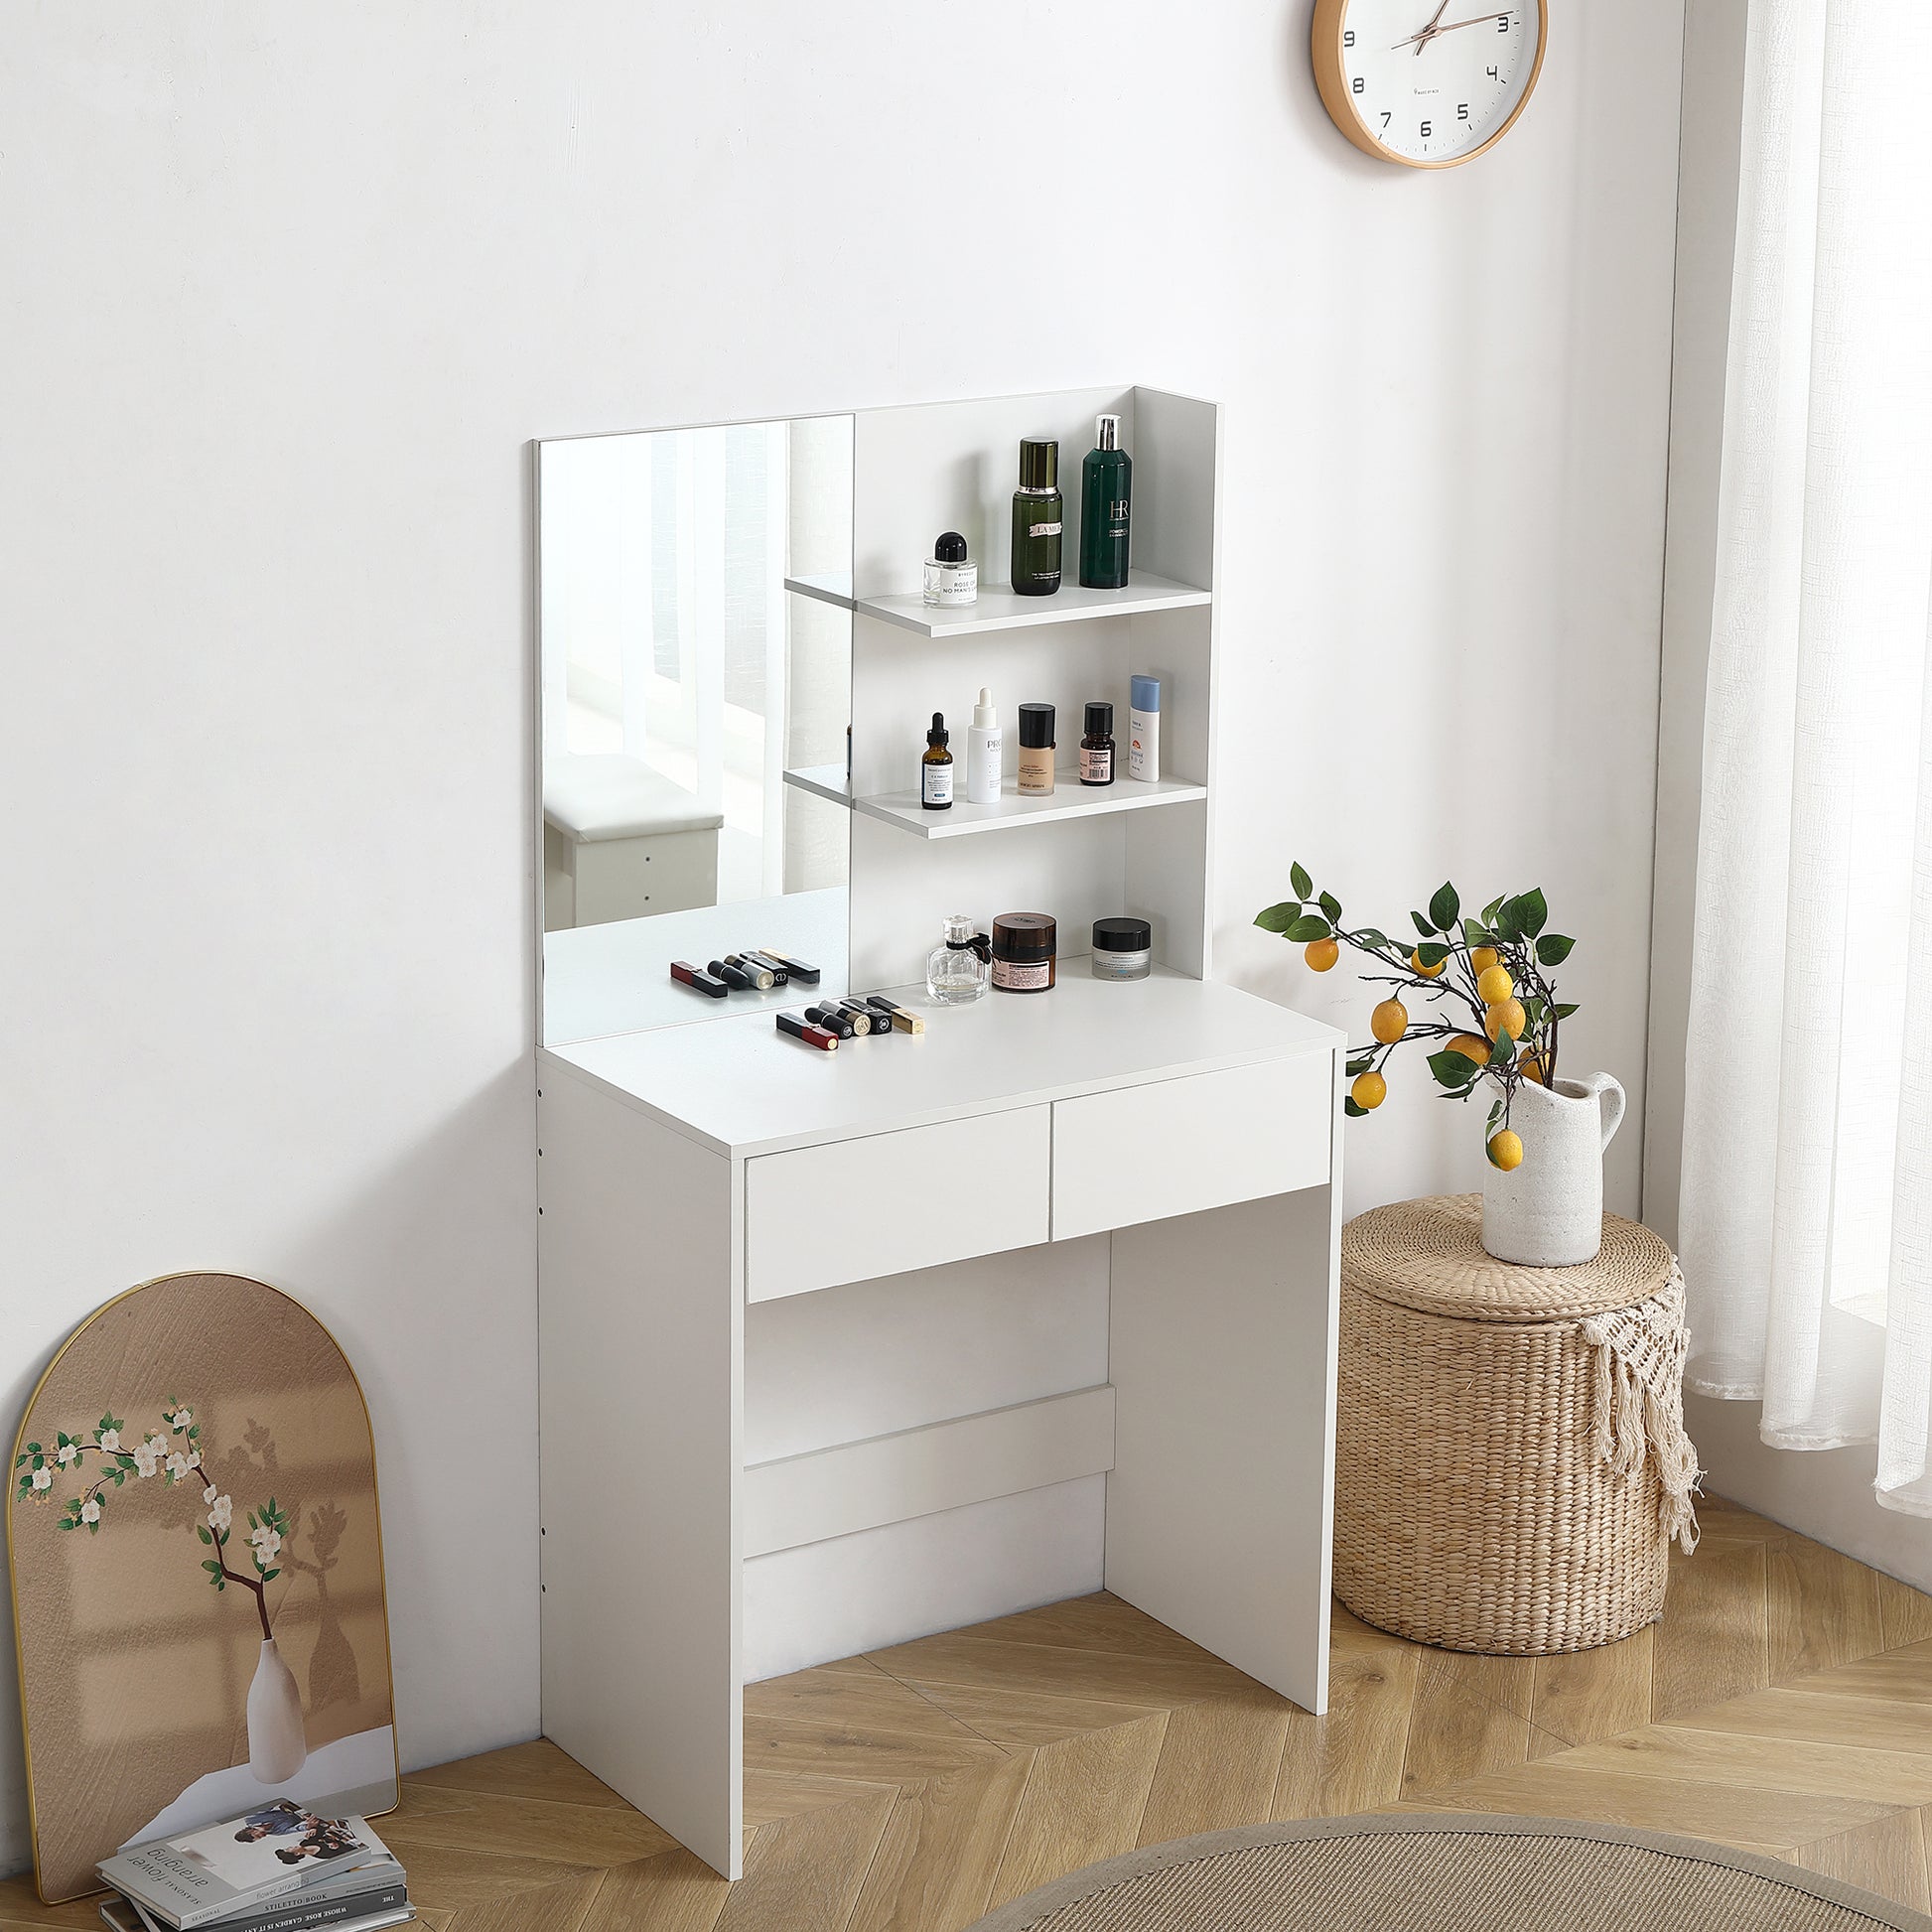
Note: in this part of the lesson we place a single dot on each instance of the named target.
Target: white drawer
(1176, 1146)
(851, 1210)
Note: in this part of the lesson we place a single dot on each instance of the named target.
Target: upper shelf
(998, 609)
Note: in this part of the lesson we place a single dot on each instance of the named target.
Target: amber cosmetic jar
(1023, 952)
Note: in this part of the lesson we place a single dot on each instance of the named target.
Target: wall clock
(1428, 83)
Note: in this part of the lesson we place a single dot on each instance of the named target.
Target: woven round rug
(1453, 1872)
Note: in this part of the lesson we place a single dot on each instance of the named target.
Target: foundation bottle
(1036, 749)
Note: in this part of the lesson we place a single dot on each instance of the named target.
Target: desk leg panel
(1220, 1504)
(641, 1421)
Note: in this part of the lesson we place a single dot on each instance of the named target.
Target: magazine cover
(220, 1869)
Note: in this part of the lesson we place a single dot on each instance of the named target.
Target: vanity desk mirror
(1013, 1300)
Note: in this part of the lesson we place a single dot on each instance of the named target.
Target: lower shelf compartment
(863, 1485)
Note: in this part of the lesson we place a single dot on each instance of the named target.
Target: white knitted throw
(1638, 1406)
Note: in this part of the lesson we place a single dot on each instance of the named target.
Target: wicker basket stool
(1510, 1456)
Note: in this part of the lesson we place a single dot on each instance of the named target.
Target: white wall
(287, 291)
(1827, 1494)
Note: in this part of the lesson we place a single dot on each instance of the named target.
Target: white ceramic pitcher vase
(1549, 1212)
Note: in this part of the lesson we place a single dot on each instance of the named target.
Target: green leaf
(1566, 1009)
(1371, 935)
(1277, 918)
(1361, 1064)
(1309, 927)
(1532, 912)
(269, 1576)
(1504, 1049)
(1423, 926)
(1349, 1108)
(1505, 921)
(1299, 880)
(1553, 949)
(1453, 1069)
(1443, 907)
(1490, 912)
(1432, 952)
(204, 1535)
(93, 1528)
(1331, 906)
(1495, 1114)
(66, 1522)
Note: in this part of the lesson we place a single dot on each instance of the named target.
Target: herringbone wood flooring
(1784, 1703)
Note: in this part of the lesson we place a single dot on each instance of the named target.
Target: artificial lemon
(1321, 954)
(1506, 1151)
(1494, 985)
(1470, 1047)
(1389, 1021)
(1531, 1068)
(1505, 1017)
(1369, 1091)
(1481, 958)
(1428, 972)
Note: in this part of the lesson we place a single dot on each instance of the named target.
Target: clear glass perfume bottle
(956, 974)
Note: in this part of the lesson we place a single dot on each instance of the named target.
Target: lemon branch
(1491, 965)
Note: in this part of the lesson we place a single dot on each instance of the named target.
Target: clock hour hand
(1429, 33)
(1421, 39)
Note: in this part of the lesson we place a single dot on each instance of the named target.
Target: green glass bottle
(1106, 509)
(1037, 512)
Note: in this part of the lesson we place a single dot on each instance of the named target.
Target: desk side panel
(642, 1424)
(1220, 1503)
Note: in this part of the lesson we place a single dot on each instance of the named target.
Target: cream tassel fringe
(1638, 1406)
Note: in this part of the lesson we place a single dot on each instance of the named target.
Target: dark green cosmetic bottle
(1106, 509)
(1037, 512)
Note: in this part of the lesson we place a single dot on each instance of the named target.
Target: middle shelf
(1068, 799)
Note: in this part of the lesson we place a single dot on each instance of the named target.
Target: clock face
(1429, 83)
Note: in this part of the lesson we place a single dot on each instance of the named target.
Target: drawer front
(1176, 1146)
(851, 1210)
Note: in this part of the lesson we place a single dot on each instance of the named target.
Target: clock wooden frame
(1324, 40)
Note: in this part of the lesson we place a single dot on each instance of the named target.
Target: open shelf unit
(1068, 800)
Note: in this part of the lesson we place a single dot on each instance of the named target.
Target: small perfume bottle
(952, 577)
(935, 767)
(1097, 747)
(1106, 505)
(1037, 512)
(957, 973)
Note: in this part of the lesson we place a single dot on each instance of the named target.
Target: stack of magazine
(279, 1869)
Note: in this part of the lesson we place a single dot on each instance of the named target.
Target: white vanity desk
(1180, 1135)
(842, 1350)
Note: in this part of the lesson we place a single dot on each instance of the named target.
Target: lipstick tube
(832, 1021)
(762, 976)
(736, 976)
(860, 1019)
(688, 975)
(812, 1036)
(775, 966)
(904, 1021)
(798, 968)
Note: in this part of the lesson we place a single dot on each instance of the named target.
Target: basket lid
(1429, 1254)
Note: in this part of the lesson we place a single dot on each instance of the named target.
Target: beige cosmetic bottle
(1036, 770)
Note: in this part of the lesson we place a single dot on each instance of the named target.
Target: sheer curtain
(1806, 1224)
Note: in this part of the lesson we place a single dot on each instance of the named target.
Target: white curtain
(1806, 1224)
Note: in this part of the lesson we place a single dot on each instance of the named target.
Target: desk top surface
(741, 1087)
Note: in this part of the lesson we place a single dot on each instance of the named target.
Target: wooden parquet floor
(1783, 1704)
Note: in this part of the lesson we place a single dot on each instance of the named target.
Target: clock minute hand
(1429, 32)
